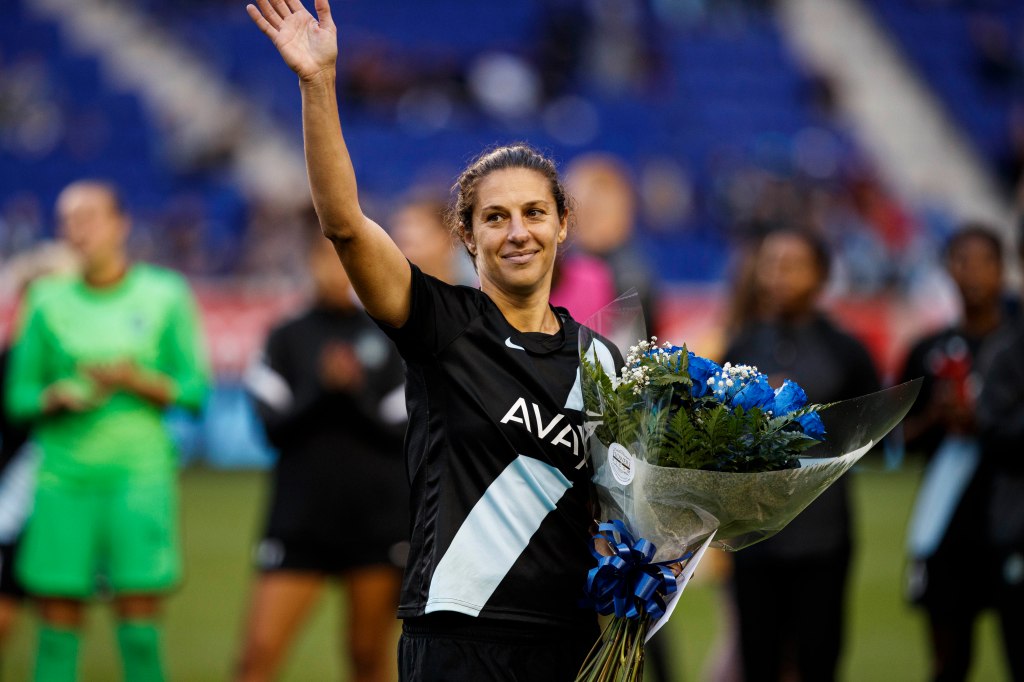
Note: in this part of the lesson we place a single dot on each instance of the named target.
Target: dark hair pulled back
(517, 155)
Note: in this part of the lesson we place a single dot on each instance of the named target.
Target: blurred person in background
(97, 359)
(581, 284)
(951, 573)
(606, 214)
(1000, 415)
(329, 390)
(419, 229)
(790, 590)
(17, 461)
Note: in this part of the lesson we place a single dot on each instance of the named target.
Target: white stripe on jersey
(494, 534)
(268, 386)
(598, 352)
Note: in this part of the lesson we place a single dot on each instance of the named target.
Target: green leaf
(669, 428)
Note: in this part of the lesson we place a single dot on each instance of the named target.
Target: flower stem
(619, 656)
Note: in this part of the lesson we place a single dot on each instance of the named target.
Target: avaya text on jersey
(520, 413)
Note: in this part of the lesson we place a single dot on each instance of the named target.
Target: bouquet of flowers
(689, 454)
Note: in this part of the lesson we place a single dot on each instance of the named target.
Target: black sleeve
(916, 367)
(285, 404)
(1000, 409)
(438, 314)
(271, 385)
(291, 405)
(12, 436)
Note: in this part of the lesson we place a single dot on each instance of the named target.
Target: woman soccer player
(98, 358)
(501, 492)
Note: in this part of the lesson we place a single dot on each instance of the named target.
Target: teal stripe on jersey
(495, 533)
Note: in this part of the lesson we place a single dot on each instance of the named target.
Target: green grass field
(221, 509)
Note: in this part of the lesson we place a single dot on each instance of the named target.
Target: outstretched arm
(379, 272)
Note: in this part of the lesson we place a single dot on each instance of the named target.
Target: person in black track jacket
(329, 390)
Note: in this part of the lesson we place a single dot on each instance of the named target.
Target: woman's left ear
(563, 229)
(466, 237)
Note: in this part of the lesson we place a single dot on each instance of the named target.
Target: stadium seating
(736, 89)
(95, 130)
(720, 95)
(937, 39)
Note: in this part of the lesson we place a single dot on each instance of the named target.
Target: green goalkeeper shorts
(125, 538)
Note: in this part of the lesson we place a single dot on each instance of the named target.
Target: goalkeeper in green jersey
(97, 359)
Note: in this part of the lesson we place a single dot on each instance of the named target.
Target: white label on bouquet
(621, 463)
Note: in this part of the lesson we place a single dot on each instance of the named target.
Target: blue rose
(812, 425)
(789, 398)
(755, 393)
(701, 369)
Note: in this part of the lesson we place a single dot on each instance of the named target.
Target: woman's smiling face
(516, 231)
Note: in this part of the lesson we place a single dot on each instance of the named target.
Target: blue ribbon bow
(627, 583)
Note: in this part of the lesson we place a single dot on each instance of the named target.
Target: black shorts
(280, 554)
(9, 585)
(450, 647)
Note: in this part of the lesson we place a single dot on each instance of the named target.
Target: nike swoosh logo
(508, 342)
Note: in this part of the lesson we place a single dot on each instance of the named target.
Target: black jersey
(339, 479)
(501, 483)
(1001, 425)
(951, 357)
(830, 365)
(946, 356)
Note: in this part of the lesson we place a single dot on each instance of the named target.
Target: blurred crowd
(583, 54)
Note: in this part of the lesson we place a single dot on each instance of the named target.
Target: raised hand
(308, 46)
